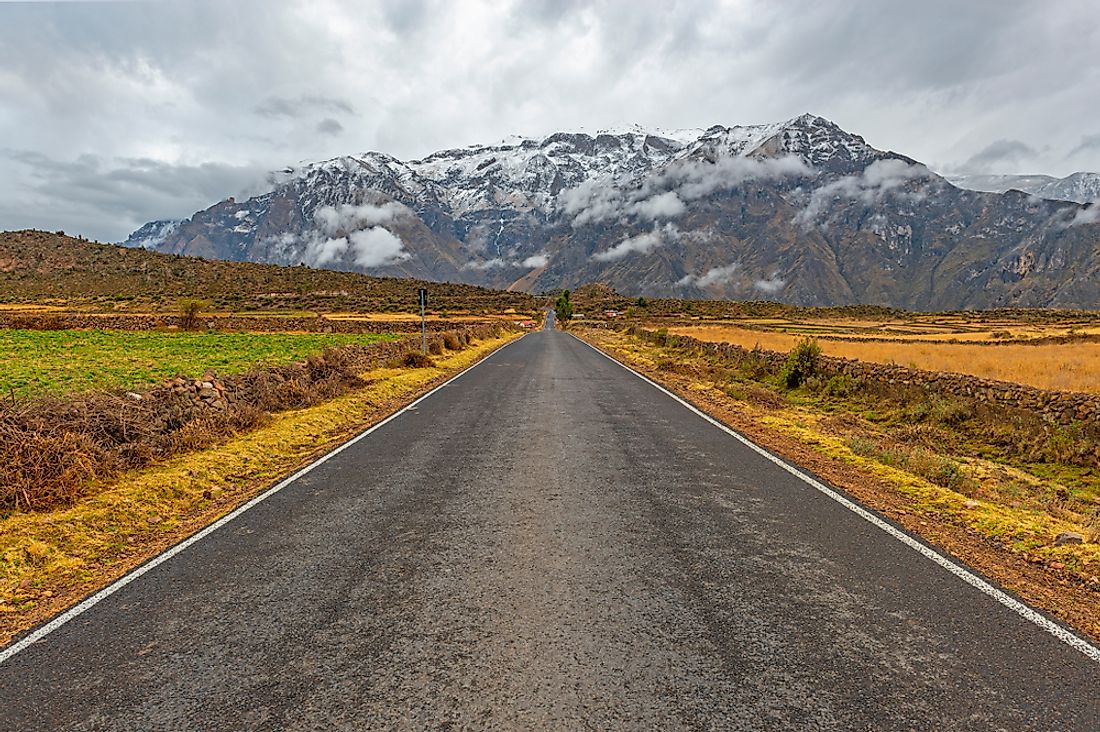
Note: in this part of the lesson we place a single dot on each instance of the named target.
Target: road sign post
(422, 294)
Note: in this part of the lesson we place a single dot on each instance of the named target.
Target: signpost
(422, 294)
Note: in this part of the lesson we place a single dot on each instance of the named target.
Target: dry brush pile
(53, 448)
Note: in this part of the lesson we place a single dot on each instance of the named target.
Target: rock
(971, 504)
(133, 396)
(1068, 537)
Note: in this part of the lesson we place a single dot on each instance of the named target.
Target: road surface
(549, 543)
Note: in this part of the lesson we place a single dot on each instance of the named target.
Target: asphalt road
(549, 543)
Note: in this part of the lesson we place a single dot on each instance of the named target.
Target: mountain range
(800, 211)
(1079, 187)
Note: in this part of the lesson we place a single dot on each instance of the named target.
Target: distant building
(611, 314)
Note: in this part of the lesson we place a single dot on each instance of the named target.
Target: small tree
(802, 363)
(563, 307)
(190, 310)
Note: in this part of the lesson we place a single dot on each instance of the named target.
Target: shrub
(435, 347)
(189, 312)
(452, 342)
(952, 411)
(418, 360)
(754, 365)
(802, 363)
(838, 385)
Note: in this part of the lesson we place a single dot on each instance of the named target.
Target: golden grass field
(1063, 366)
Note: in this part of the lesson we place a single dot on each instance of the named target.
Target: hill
(36, 265)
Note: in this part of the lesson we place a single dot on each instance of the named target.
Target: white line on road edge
(965, 575)
(163, 557)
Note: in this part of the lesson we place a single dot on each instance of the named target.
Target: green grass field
(34, 362)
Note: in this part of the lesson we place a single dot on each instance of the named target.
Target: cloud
(1087, 215)
(662, 196)
(713, 276)
(995, 153)
(878, 180)
(662, 206)
(346, 216)
(121, 82)
(771, 285)
(535, 261)
(1087, 143)
(356, 230)
(640, 244)
(696, 179)
(376, 247)
(329, 126)
(302, 106)
(80, 192)
(496, 263)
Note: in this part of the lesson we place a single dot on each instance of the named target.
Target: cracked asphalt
(549, 543)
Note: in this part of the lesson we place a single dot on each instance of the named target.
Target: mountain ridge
(802, 211)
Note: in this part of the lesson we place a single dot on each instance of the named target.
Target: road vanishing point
(550, 542)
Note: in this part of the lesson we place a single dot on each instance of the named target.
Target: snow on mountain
(800, 210)
(1078, 187)
(153, 234)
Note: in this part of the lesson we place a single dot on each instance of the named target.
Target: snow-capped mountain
(800, 210)
(1079, 187)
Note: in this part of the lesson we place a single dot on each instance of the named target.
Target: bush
(190, 311)
(435, 347)
(418, 360)
(802, 363)
(754, 365)
(452, 342)
(839, 385)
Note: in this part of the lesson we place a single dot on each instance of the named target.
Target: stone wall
(181, 399)
(317, 324)
(1055, 407)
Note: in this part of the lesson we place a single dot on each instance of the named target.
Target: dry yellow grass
(1063, 366)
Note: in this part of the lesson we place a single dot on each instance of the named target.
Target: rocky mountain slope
(799, 211)
(1079, 187)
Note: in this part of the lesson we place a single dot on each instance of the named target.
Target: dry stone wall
(91, 321)
(1055, 407)
(182, 399)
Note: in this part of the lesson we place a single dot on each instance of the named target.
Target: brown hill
(37, 265)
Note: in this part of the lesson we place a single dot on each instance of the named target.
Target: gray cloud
(1088, 143)
(713, 276)
(302, 106)
(993, 155)
(640, 244)
(329, 126)
(106, 198)
(149, 81)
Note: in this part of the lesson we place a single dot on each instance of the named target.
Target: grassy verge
(990, 493)
(34, 362)
(50, 559)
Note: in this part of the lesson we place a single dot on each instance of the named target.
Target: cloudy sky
(115, 113)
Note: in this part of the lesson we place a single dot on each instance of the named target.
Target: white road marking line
(90, 602)
(980, 584)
